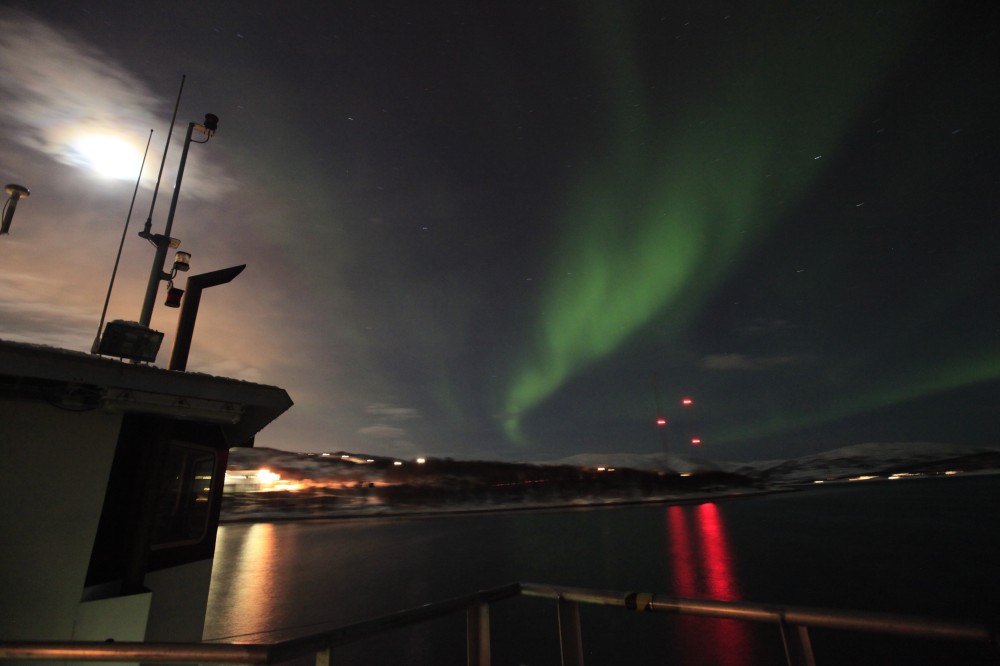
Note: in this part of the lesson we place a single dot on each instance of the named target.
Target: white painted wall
(54, 467)
(180, 596)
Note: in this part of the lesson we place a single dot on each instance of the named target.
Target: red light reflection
(718, 562)
(703, 567)
(682, 554)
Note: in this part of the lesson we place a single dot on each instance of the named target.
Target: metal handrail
(793, 622)
(819, 618)
(243, 653)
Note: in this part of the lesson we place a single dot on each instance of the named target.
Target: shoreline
(466, 510)
(380, 512)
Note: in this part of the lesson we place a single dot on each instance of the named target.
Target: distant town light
(267, 476)
(421, 461)
(397, 463)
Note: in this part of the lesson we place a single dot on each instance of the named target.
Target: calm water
(927, 547)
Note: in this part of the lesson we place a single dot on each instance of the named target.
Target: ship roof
(241, 408)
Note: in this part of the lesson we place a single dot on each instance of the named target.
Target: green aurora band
(932, 379)
(683, 189)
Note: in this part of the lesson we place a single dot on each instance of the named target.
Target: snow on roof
(258, 404)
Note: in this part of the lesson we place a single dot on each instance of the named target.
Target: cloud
(62, 95)
(382, 431)
(27, 316)
(392, 412)
(232, 368)
(55, 326)
(753, 363)
(403, 448)
(53, 80)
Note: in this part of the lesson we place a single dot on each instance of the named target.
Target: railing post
(477, 620)
(798, 646)
(570, 638)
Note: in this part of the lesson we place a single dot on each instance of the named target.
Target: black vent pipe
(189, 311)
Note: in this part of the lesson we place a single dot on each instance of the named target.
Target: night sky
(510, 230)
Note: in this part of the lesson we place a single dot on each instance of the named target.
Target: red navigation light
(174, 297)
(661, 422)
(687, 402)
(695, 441)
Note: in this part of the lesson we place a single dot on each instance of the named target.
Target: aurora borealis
(684, 189)
(490, 232)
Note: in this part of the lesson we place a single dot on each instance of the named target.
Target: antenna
(14, 193)
(163, 161)
(114, 271)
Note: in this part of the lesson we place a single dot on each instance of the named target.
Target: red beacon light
(174, 297)
(695, 442)
(687, 402)
(661, 421)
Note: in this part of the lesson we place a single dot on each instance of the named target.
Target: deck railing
(794, 624)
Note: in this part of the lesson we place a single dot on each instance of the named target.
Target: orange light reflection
(250, 590)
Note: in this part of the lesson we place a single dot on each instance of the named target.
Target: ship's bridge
(110, 488)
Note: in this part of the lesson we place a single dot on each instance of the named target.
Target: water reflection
(703, 566)
(682, 556)
(247, 582)
(719, 575)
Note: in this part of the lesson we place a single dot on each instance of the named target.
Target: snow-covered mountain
(656, 462)
(883, 458)
(843, 462)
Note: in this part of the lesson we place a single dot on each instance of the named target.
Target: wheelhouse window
(184, 506)
(162, 504)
